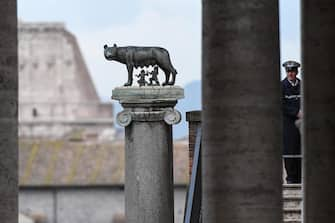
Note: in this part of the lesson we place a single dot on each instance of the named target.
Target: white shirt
(294, 83)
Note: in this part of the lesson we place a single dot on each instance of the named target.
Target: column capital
(170, 116)
(154, 103)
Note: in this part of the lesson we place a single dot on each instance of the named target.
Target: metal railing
(193, 209)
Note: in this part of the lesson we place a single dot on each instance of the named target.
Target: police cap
(291, 65)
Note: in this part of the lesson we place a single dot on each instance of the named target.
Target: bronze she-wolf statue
(134, 56)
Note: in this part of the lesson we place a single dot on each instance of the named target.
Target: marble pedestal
(148, 117)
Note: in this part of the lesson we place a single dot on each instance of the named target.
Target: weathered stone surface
(318, 22)
(148, 116)
(79, 163)
(241, 147)
(149, 173)
(51, 67)
(8, 112)
(292, 203)
(154, 94)
(56, 92)
(194, 122)
(83, 204)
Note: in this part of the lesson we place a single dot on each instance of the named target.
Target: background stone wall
(83, 204)
(80, 181)
(55, 87)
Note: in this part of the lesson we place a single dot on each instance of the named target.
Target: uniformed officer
(291, 112)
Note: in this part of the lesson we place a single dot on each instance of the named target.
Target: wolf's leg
(167, 77)
(130, 75)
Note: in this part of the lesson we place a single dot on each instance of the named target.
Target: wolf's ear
(105, 46)
(114, 45)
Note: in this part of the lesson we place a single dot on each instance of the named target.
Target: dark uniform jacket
(291, 106)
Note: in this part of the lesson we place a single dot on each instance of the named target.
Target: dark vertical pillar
(194, 121)
(241, 119)
(8, 112)
(318, 42)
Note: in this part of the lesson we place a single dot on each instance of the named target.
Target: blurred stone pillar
(241, 116)
(194, 121)
(318, 47)
(148, 117)
(8, 112)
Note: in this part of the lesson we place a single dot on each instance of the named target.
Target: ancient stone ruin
(57, 97)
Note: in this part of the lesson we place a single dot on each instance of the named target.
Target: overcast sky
(172, 24)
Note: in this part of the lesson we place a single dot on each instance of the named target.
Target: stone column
(8, 112)
(318, 45)
(148, 117)
(241, 116)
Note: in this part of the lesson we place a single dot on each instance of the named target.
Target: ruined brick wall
(194, 121)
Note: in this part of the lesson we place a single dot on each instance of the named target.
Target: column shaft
(8, 112)
(149, 173)
(241, 119)
(318, 42)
